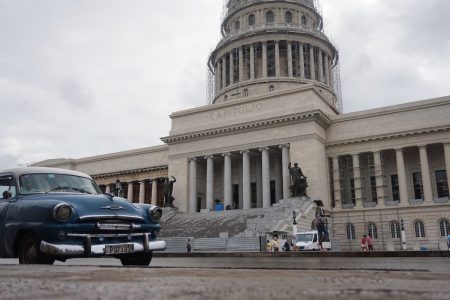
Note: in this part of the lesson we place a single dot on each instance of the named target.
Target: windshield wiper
(80, 190)
(57, 188)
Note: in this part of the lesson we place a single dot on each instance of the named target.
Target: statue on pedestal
(167, 190)
(298, 181)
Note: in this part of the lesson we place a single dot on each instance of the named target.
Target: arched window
(445, 227)
(372, 230)
(395, 230)
(237, 25)
(419, 228)
(288, 17)
(245, 92)
(270, 17)
(304, 20)
(225, 98)
(271, 88)
(251, 20)
(350, 231)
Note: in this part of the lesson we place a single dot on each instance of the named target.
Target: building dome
(272, 45)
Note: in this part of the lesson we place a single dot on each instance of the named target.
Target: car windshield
(56, 183)
(304, 237)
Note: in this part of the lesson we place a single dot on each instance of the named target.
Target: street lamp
(294, 224)
(118, 187)
(294, 216)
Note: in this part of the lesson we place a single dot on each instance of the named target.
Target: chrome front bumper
(87, 249)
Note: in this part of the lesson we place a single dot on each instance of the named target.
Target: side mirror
(7, 195)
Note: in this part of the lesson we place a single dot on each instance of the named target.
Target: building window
(445, 228)
(237, 25)
(419, 229)
(442, 184)
(304, 20)
(373, 189)
(417, 184)
(350, 231)
(270, 17)
(225, 98)
(395, 188)
(251, 20)
(288, 17)
(271, 88)
(245, 92)
(395, 230)
(372, 230)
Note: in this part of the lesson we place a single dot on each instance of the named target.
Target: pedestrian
(364, 245)
(275, 245)
(188, 246)
(448, 242)
(321, 223)
(269, 246)
(369, 242)
(286, 246)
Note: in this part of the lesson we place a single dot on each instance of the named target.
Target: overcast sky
(87, 77)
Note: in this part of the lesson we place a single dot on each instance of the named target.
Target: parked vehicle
(309, 240)
(51, 214)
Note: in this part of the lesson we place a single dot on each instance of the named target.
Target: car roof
(40, 170)
(307, 232)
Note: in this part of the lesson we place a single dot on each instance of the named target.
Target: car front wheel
(141, 259)
(29, 252)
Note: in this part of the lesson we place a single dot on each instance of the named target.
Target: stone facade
(277, 101)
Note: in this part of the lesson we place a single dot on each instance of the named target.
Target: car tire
(29, 252)
(141, 259)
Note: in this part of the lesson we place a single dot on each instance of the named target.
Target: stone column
(302, 62)
(231, 67)
(246, 185)
(277, 59)
(285, 170)
(154, 192)
(227, 184)
(193, 185)
(337, 183)
(241, 64)
(312, 63)
(401, 172)
(289, 54)
(224, 72)
(108, 188)
(209, 182)
(142, 192)
(259, 183)
(426, 178)
(320, 66)
(379, 177)
(357, 181)
(252, 61)
(331, 74)
(265, 163)
(130, 192)
(327, 70)
(264, 59)
(447, 161)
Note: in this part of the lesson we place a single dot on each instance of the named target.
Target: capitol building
(275, 99)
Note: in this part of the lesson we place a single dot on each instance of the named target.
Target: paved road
(429, 264)
(230, 278)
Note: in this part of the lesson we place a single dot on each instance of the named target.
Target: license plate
(119, 248)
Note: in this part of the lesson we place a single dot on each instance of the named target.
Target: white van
(308, 240)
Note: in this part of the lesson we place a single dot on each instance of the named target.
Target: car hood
(87, 205)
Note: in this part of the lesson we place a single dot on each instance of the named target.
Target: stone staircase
(248, 223)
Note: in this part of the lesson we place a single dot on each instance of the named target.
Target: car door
(7, 193)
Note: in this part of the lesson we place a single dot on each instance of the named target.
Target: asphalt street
(230, 278)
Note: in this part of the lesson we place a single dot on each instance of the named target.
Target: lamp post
(117, 188)
(403, 235)
(294, 223)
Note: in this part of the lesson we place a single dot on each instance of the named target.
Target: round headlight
(155, 213)
(62, 212)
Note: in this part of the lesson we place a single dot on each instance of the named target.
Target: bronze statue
(298, 181)
(167, 190)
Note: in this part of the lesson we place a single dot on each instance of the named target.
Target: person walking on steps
(321, 223)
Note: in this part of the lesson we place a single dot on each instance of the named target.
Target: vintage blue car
(49, 214)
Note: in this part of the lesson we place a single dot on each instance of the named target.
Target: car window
(304, 237)
(56, 183)
(315, 238)
(7, 186)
